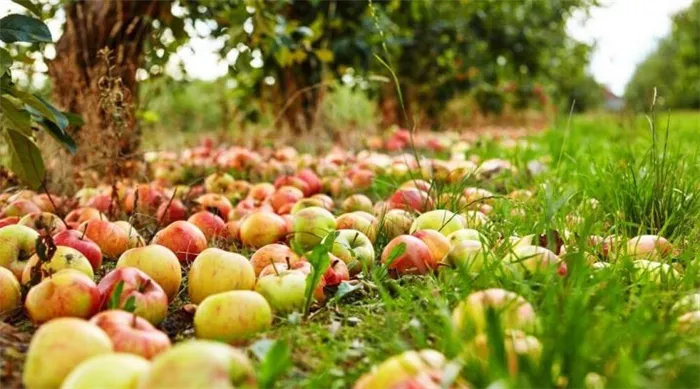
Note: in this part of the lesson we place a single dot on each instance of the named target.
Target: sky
(624, 33)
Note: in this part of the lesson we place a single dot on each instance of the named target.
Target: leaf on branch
(37, 106)
(16, 119)
(25, 159)
(5, 61)
(61, 136)
(33, 8)
(23, 28)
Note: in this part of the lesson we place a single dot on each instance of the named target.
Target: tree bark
(78, 76)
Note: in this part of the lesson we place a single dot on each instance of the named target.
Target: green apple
(535, 260)
(515, 312)
(465, 234)
(310, 226)
(467, 254)
(215, 271)
(395, 222)
(284, 292)
(357, 202)
(200, 364)
(355, 249)
(655, 272)
(108, 371)
(441, 220)
(58, 347)
(232, 317)
(17, 244)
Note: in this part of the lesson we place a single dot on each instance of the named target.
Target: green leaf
(33, 8)
(36, 105)
(116, 296)
(276, 361)
(319, 260)
(25, 159)
(130, 304)
(60, 136)
(396, 252)
(15, 118)
(74, 119)
(22, 28)
(346, 288)
(5, 61)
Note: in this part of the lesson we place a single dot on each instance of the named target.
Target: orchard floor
(590, 322)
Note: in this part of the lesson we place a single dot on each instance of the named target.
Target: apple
(115, 371)
(218, 183)
(399, 368)
(49, 222)
(477, 196)
(215, 203)
(475, 219)
(272, 253)
(132, 334)
(10, 292)
(515, 312)
(689, 323)
(135, 239)
(441, 220)
(8, 221)
(215, 271)
(416, 257)
(307, 203)
(285, 292)
(303, 267)
(182, 238)
(326, 201)
(159, 263)
(285, 180)
(650, 247)
(465, 234)
(102, 202)
(68, 293)
(145, 199)
(58, 347)
(262, 228)
(687, 303)
(355, 249)
(77, 240)
(517, 345)
(360, 221)
(655, 272)
(200, 364)
(311, 179)
(17, 245)
(357, 202)
(150, 300)
(467, 254)
(284, 199)
(437, 243)
(395, 222)
(410, 199)
(113, 241)
(63, 258)
(171, 211)
(232, 231)
(20, 208)
(232, 317)
(79, 216)
(261, 191)
(535, 260)
(310, 226)
(336, 273)
(210, 224)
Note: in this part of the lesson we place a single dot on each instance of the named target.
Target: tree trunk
(80, 78)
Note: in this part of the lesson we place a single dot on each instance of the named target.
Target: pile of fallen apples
(244, 248)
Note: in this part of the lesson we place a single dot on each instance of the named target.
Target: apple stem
(133, 320)
(275, 267)
(85, 231)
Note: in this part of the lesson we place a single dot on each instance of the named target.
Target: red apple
(79, 216)
(171, 211)
(262, 228)
(8, 221)
(277, 253)
(131, 333)
(215, 203)
(150, 300)
(210, 224)
(77, 240)
(182, 238)
(149, 198)
(284, 199)
(337, 272)
(67, 293)
(415, 259)
(113, 241)
(410, 199)
(311, 179)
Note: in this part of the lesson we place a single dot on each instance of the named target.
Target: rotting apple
(46, 221)
(215, 271)
(63, 258)
(78, 241)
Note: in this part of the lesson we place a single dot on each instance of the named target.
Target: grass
(601, 322)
